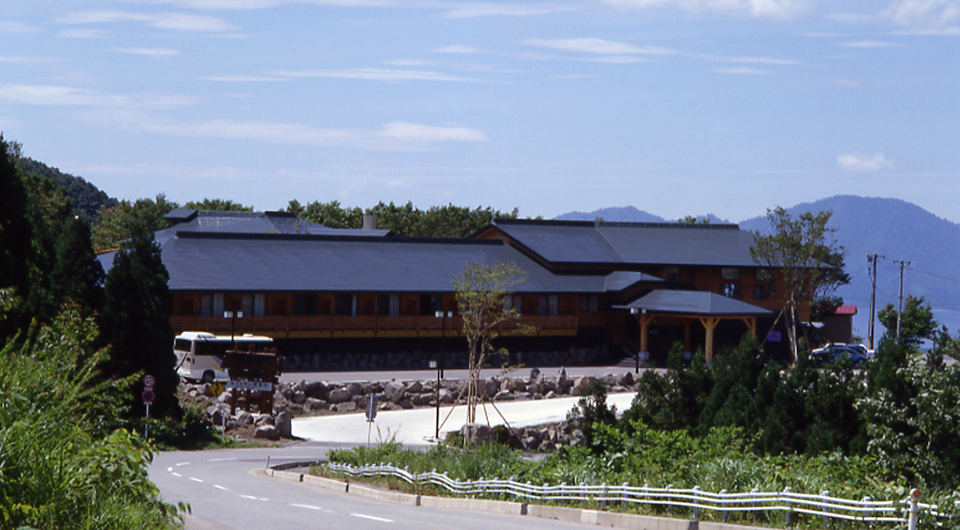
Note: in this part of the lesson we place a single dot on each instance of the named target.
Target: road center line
(372, 518)
(219, 487)
(178, 475)
(182, 464)
(222, 459)
(195, 479)
(248, 497)
(307, 506)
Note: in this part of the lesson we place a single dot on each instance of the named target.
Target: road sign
(148, 397)
(216, 388)
(149, 381)
(371, 407)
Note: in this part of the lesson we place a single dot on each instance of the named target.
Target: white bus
(199, 354)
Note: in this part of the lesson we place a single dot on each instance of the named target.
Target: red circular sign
(149, 381)
(148, 396)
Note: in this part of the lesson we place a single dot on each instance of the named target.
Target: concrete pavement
(417, 427)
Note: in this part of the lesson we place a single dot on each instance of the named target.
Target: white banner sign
(250, 385)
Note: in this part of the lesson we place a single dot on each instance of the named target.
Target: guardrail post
(723, 504)
(623, 492)
(583, 494)
(754, 494)
(866, 502)
(914, 507)
(669, 499)
(786, 492)
(824, 495)
(603, 498)
(696, 502)
(563, 495)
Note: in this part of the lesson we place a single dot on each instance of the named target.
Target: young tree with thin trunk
(480, 300)
(807, 256)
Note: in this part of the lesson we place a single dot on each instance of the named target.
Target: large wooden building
(633, 286)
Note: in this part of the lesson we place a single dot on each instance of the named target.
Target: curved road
(225, 492)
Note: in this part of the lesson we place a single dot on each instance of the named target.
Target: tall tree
(916, 323)
(78, 275)
(480, 300)
(136, 323)
(119, 225)
(218, 205)
(805, 253)
(16, 233)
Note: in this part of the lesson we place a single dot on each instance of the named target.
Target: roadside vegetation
(745, 423)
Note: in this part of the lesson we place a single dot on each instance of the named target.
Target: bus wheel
(207, 377)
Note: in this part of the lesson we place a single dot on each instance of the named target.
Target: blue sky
(676, 107)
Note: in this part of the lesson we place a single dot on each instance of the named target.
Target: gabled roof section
(698, 303)
(599, 243)
(200, 261)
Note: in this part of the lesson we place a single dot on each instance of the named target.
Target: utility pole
(900, 303)
(872, 258)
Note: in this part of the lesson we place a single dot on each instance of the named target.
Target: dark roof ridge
(335, 237)
(595, 224)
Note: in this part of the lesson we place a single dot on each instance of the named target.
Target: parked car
(857, 353)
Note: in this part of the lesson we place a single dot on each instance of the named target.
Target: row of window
(763, 288)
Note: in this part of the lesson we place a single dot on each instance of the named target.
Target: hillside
(627, 214)
(87, 199)
(895, 229)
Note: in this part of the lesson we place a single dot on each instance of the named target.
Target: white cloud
(935, 16)
(473, 10)
(750, 60)
(242, 78)
(741, 70)
(414, 132)
(877, 162)
(156, 53)
(770, 9)
(69, 96)
(172, 21)
(457, 49)
(377, 74)
(869, 44)
(598, 46)
(82, 34)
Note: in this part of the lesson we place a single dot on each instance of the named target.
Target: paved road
(226, 493)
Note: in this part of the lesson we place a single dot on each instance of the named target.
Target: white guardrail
(822, 505)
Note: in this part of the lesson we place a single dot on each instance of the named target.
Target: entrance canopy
(709, 308)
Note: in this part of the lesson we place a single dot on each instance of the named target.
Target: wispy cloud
(473, 10)
(598, 46)
(770, 9)
(749, 60)
(869, 44)
(83, 34)
(171, 21)
(377, 74)
(70, 96)
(931, 16)
(15, 26)
(243, 78)
(877, 162)
(415, 132)
(156, 53)
(741, 70)
(458, 49)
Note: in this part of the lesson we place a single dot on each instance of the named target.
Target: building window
(345, 305)
(549, 305)
(588, 304)
(388, 305)
(304, 304)
(206, 305)
(673, 274)
(731, 290)
(430, 304)
(513, 301)
(764, 275)
(729, 273)
(763, 291)
(219, 304)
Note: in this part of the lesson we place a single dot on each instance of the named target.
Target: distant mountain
(87, 199)
(628, 214)
(895, 229)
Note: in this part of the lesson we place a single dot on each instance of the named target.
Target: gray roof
(250, 223)
(693, 303)
(584, 242)
(200, 261)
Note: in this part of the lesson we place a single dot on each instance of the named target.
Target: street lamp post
(233, 316)
(443, 339)
(636, 357)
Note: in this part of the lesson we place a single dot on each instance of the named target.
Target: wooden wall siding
(366, 304)
(319, 326)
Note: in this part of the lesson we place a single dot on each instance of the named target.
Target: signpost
(371, 413)
(148, 397)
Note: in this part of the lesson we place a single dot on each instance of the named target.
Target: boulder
(405, 403)
(504, 395)
(262, 419)
(316, 404)
(354, 389)
(394, 391)
(244, 418)
(415, 387)
(490, 387)
(446, 396)
(581, 384)
(268, 432)
(477, 433)
(339, 395)
(625, 379)
(314, 389)
(283, 421)
(346, 406)
(298, 397)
